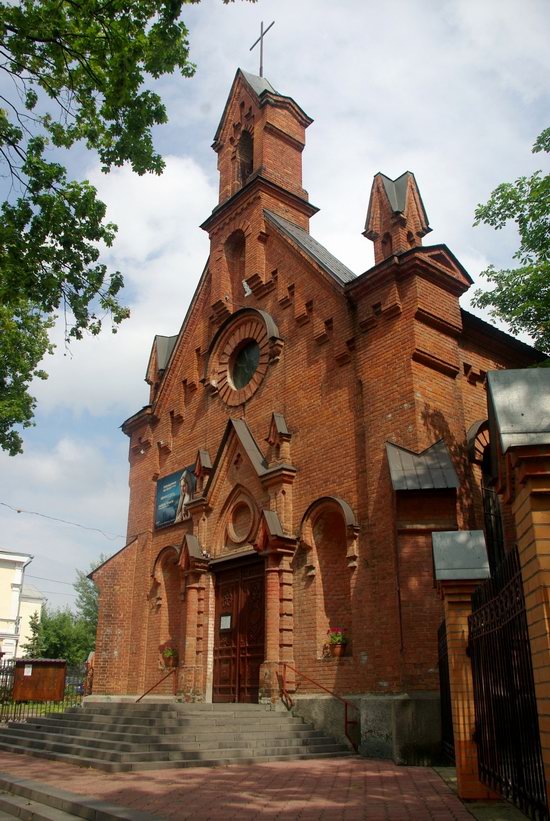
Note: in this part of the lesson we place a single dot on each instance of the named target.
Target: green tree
(58, 634)
(33, 648)
(75, 71)
(87, 600)
(521, 296)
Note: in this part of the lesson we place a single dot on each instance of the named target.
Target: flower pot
(170, 661)
(337, 650)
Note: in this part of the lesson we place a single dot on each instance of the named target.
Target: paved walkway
(342, 788)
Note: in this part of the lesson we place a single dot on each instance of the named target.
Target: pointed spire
(396, 218)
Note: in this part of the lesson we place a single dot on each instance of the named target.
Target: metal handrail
(169, 673)
(288, 701)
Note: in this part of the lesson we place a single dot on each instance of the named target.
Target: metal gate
(447, 734)
(507, 729)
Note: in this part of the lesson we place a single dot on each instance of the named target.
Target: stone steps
(33, 801)
(128, 742)
(183, 753)
(123, 737)
(165, 728)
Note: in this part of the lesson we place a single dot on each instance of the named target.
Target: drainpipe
(19, 605)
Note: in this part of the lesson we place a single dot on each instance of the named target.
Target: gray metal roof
(249, 444)
(429, 470)
(519, 407)
(165, 346)
(460, 555)
(280, 423)
(258, 84)
(396, 190)
(314, 249)
(193, 546)
(273, 523)
(204, 456)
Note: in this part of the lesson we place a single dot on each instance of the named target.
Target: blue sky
(454, 90)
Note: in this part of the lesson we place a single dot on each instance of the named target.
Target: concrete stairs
(34, 801)
(119, 737)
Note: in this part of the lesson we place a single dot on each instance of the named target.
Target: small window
(245, 156)
(235, 254)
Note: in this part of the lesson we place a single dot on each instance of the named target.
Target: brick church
(307, 431)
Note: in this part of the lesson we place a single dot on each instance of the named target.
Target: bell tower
(259, 143)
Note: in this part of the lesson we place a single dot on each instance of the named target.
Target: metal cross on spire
(260, 40)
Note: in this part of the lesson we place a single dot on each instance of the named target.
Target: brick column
(460, 561)
(457, 601)
(269, 687)
(187, 680)
(531, 509)
(272, 607)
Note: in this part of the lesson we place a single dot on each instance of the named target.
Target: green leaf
(79, 73)
(521, 296)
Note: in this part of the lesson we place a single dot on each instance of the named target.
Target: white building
(14, 604)
(31, 602)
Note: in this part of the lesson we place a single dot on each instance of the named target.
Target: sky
(454, 90)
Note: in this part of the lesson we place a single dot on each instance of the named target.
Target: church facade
(306, 435)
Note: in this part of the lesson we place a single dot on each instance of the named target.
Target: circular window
(244, 363)
(240, 522)
(240, 354)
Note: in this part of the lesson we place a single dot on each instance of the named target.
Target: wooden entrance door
(239, 640)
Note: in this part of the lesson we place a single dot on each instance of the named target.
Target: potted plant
(170, 656)
(337, 641)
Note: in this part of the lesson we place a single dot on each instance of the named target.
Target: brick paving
(346, 788)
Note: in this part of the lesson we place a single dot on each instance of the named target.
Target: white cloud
(161, 252)
(80, 480)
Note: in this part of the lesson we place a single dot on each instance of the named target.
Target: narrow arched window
(235, 247)
(245, 156)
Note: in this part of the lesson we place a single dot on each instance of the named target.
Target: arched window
(479, 452)
(328, 534)
(167, 584)
(387, 246)
(235, 248)
(245, 156)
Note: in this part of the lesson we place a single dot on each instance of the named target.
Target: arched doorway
(239, 628)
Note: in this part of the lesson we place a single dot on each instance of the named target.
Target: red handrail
(288, 701)
(169, 673)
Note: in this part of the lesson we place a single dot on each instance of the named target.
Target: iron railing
(169, 673)
(11, 710)
(288, 701)
(507, 728)
(447, 733)
(494, 533)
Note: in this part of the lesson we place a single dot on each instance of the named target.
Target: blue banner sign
(174, 492)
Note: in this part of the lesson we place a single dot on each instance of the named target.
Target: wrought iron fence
(494, 534)
(447, 734)
(507, 729)
(11, 710)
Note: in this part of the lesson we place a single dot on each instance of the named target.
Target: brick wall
(391, 360)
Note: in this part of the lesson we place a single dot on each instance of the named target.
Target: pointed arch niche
(166, 600)
(245, 157)
(322, 564)
(235, 258)
(238, 523)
